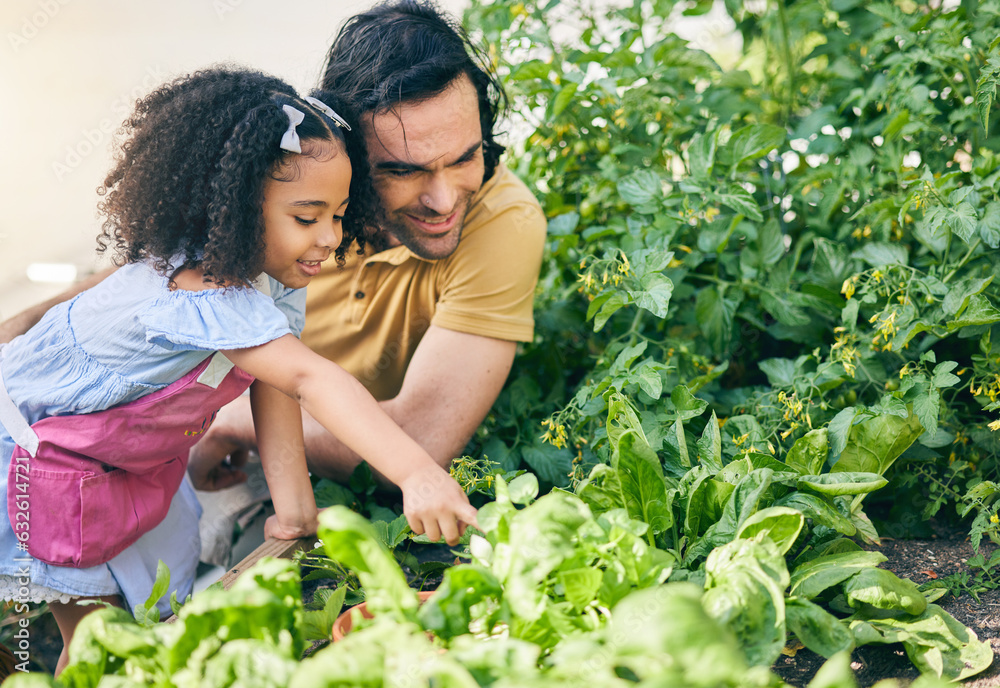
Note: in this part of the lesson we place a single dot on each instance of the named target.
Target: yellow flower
(995, 425)
(994, 519)
(848, 288)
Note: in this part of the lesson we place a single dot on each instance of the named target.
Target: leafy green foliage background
(803, 238)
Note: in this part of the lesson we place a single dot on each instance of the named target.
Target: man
(429, 318)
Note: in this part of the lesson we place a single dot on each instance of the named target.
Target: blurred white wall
(69, 71)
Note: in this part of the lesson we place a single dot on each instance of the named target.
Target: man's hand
(216, 464)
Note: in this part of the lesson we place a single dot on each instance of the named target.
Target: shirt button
(359, 295)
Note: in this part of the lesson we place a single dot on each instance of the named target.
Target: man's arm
(26, 319)
(450, 385)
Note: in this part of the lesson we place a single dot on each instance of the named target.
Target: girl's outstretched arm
(432, 501)
(278, 420)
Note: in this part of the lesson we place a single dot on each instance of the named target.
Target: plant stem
(965, 259)
(789, 67)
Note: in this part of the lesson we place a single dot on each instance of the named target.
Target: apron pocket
(108, 522)
(70, 519)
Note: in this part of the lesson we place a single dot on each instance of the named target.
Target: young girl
(229, 193)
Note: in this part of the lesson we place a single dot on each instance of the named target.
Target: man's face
(427, 162)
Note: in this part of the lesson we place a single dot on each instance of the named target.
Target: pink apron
(90, 485)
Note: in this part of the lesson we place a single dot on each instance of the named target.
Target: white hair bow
(290, 139)
(328, 111)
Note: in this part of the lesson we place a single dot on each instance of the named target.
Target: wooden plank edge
(272, 547)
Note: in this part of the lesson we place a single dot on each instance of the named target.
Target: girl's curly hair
(191, 168)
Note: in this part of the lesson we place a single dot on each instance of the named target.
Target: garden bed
(938, 557)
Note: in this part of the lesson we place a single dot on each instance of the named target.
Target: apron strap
(13, 421)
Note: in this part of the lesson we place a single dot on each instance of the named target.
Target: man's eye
(401, 174)
(304, 221)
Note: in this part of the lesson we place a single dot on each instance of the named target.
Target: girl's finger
(431, 529)
(415, 525)
(468, 514)
(449, 528)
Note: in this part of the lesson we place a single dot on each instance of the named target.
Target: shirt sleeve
(488, 284)
(291, 302)
(213, 320)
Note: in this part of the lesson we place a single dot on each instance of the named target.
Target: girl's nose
(329, 237)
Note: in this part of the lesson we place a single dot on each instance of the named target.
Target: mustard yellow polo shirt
(370, 315)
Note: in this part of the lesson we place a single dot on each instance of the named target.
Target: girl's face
(302, 217)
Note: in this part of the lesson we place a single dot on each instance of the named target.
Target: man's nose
(439, 195)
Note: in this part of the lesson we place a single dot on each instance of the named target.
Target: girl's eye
(304, 221)
(338, 218)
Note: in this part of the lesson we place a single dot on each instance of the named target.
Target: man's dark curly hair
(409, 50)
(191, 168)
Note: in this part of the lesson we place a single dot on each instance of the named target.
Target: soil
(943, 553)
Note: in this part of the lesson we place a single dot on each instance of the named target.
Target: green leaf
(770, 244)
(701, 155)
(927, 406)
(842, 483)
(780, 371)
(644, 491)
(715, 318)
(962, 220)
(808, 454)
(878, 254)
(687, 405)
(839, 429)
(979, 312)
(740, 200)
(874, 444)
(703, 650)
(523, 489)
(818, 629)
(448, 612)
(934, 641)
(605, 308)
(781, 525)
(563, 225)
(580, 586)
(552, 464)
(640, 187)
(986, 87)
(654, 295)
(754, 141)
(563, 99)
(877, 593)
(352, 541)
(958, 294)
(813, 577)
(329, 493)
(744, 588)
(820, 511)
(650, 382)
(710, 445)
(835, 672)
(318, 625)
